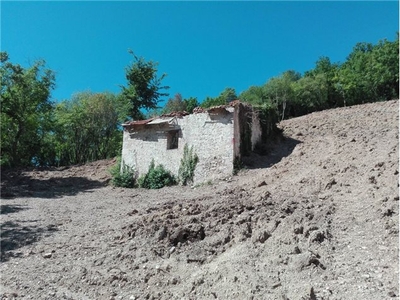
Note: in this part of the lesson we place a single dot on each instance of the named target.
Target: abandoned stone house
(219, 135)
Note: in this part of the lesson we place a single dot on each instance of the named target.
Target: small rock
(330, 183)
(278, 284)
(174, 280)
(388, 212)
(296, 250)
(372, 180)
(162, 233)
(317, 236)
(392, 294)
(263, 183)
(263, 236)
(47, 255)
(298, 229)
(172, 250)
(133, 212)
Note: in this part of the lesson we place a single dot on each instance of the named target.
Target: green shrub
(156, 178)
(122, 175)
(188, 165)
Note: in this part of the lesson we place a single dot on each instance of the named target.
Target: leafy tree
(87, 128)
(226, 96)
(229, 94)
(352, 79)
(174, 104)
(25, 110)
(383, 69)
(324, 67)
(144, 88)
(254, 95)
(210, 102)
(191, 104)
(280, 91)
(177, 104)
(370, 73)
(310, 94)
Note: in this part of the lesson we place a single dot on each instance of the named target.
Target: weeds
(156, 177)
(122, 175)
(188, 165)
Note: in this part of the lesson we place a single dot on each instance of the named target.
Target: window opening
(172, 139)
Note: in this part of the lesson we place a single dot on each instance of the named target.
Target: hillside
(317, 218)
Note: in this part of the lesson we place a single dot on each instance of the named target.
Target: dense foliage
(178, 104)
(86, 128)
(226, 96)
(122, 175)
(156, 177)
(370, 73)
(38, 132)
(25, 112)
(144, 87)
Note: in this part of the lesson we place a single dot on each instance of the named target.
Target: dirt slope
(318, 218)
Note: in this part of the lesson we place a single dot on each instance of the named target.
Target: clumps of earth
(316, 217)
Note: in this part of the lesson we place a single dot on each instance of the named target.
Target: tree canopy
(25, 110)
(144, 88)
(86, 128)
(178, 104)
(370, 73)
(226, 96)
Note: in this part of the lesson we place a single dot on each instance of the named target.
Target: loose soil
(316, 218)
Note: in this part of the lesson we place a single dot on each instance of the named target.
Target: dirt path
(318, 218)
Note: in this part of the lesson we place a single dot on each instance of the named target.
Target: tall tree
(177, 104)
(87, 128)
(144, 88)
(324, 67)
(25, 110)
(310, 94)
(370, 73)
(281, 93)
(254, 95)
(191, 104)
(174, 104)
(226, 96)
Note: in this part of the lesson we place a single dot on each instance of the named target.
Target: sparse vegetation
(156, 178)
(122, 175)
(188, 165)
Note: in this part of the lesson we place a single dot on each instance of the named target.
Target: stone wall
(256, 130)
(210, 134)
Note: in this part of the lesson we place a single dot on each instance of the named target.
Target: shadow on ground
(271, 153)
(9, 209)
(21, 185)
(15, 235)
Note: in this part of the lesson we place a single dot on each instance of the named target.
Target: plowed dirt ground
(316, 218)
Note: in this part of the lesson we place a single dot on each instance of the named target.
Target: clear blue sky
(204, 47)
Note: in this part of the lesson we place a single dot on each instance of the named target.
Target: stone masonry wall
(211, 135)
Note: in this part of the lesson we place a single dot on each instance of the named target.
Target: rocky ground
(317, 218)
